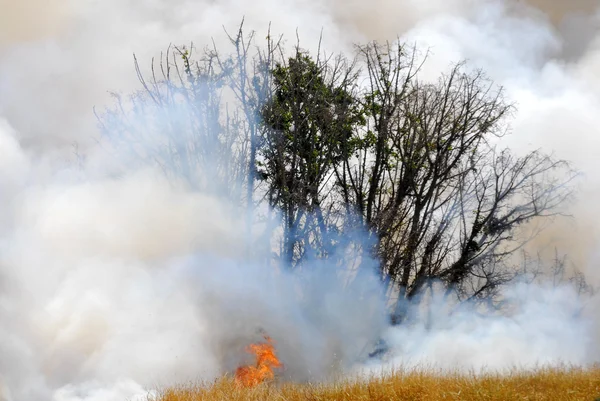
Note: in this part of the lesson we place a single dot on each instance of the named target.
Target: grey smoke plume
(112, 284)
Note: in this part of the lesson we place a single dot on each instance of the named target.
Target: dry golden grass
(544, 384)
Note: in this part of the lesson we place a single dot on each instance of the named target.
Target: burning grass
(263, 369)
(565, 384)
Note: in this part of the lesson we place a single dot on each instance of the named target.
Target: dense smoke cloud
(30, 20)
(114, 281)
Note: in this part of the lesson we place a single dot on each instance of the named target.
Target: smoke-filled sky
(60, 58)
(89, 307)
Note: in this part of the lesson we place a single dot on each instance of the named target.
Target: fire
(262, 370)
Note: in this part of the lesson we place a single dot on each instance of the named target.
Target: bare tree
(430, 186)
(198, 116)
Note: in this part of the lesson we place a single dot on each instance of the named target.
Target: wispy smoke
(114, 282)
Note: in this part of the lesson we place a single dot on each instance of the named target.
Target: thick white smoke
(113, 284)
(124, 282)
(545, 326)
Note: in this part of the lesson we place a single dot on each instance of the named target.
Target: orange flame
(266, 361)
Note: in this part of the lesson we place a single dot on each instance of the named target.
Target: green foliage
(311, 123)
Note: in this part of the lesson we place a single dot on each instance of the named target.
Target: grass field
(563, 384)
